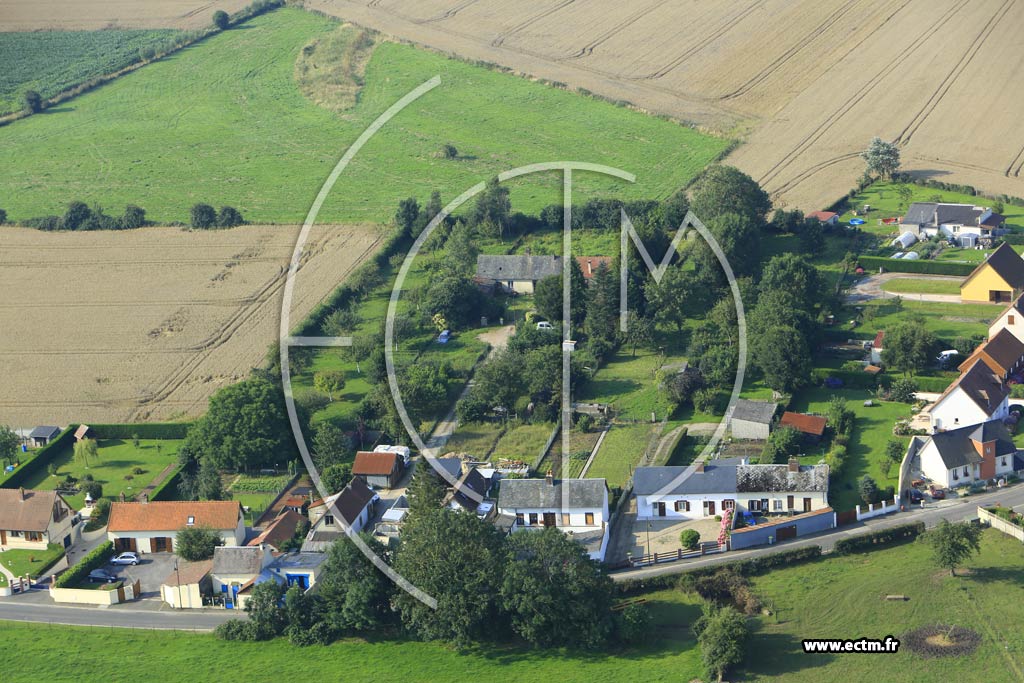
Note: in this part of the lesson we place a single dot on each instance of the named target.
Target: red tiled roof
(822, 215)
(878, 339)
(590, 264)
(280, 530)
(371, 464)
(808, 424)
(171, 515)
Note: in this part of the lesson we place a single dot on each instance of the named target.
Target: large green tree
(330, 446)
(908, 347)
(882, 158)
(793, 276)
(493, 208)
(739, 237)
(356, 595)
(954, 543)
(9, 443)
(245, 427)
(782, 355)
(724, 190)
(459, 560)
(722, 640)
(195, 543)
(555, 594)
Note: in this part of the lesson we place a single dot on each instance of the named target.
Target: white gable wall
(957, 410)
(1003, 322)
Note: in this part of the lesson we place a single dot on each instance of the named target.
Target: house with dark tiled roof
(574, 506)
(964, 223)
(32, 519)
(151, 527)
(40, 436)
(959, 457)
(283, 529)
(825, 217)
(352, 508)
(520, 273)
(998, 279)
(705, 489)
(471, 490)
(1003, 354)
(978, 395)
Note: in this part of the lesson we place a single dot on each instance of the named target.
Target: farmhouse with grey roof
(517, 273)
(705, 489)
(577, 506)
(963, 222)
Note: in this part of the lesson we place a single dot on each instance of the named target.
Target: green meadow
(224, 122)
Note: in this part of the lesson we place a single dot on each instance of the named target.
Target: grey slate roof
(452, 466)
(538, 493)
(45, 432)
(920, 213)
(504, 268)
(730, 475)
(754, 411)
(471, 489)
(956, 447)
(982, 386)
(719, 476)
(243, 559)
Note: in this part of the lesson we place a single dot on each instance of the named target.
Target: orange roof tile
(171, 515)
(808, 424)
(369, 463)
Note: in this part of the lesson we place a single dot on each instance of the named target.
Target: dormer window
(191, 521)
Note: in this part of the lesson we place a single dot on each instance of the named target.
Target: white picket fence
(878, 509)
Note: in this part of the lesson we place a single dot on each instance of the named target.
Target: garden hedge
(871, 264)
(42, 458)
(169, 489)
(146, 430)
(890, 536)
(94, 560)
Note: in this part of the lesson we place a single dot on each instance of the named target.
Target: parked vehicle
(916, 496)
(101, 576)
(544, 325)
(938, 494)
(444, 337)
(125, 558)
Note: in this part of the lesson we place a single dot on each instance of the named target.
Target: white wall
(933, 468)
(143, 539)
(646, 505)
(958, 410)
(1003, 322)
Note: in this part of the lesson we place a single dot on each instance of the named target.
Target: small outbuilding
(752, 419)
(811, 426)
(40, 436)
(379, 470)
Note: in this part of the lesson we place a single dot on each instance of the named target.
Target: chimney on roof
(21, 492)
(121, 497)
(590, 266)
(699, 466)
(550, 478)
(794, 465)
(145, 497)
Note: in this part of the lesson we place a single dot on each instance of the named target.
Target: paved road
(931, 514)
(870, 287)
(36, 606)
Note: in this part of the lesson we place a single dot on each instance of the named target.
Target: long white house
(729, 483)
(576, 506)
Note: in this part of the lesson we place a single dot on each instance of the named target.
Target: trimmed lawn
(843, 597)
(477, 439)
(871, 431)
(25, 562)
(620, 452)
(668, 655)
(117, 460)
(946, 321)
(628, 384)
(911, 285)
(240, 87)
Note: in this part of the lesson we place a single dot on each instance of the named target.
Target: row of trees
(80, 216)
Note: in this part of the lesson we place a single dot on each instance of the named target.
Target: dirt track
(77, 15)
(805, 83)
(146, 324)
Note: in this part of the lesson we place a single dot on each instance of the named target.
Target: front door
(124, 545)
(711, 507)
(549, 519)
(3, 537)
(661, 508)
(807, 504)
(789, 502)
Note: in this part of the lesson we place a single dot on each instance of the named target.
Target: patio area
(658, 536)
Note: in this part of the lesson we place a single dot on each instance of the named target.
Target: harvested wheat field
(804, 84)
(87, 15)
(145, 324)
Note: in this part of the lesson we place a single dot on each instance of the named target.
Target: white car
(125, 558)
(544, 325)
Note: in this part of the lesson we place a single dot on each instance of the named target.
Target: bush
(236, 629)
(203, 216)
(134, 217)
(689, 539)
(633, 623)
(93, 489)
(585, 422)
(903, 390)
(94, 560)
(229, 217)
(33, 102)
(221, 19)
(866, 542)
